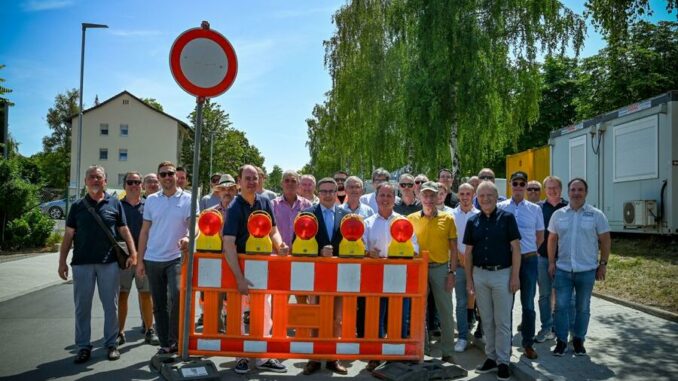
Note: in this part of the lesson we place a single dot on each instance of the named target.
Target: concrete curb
(663, 314)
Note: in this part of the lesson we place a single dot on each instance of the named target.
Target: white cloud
(45, 5)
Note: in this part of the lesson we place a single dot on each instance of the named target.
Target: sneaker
(272, 365)
(461, 345)
(487, 367)
(560, 348)
(578, 345)
(242, 367)
(478, 334)
(151, 338)
(530, 353)
(121, 339)
(163, 351)
(543, 336)
(174, 348)
(82, 356)
(503, 372)
(113, 353)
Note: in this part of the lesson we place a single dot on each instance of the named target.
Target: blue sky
(280, 56)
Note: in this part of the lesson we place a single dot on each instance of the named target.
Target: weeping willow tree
(433, 83)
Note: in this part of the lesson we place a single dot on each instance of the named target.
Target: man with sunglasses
(163, 234)
(214, 198)
(133, 205)
(486, 174)
(533, 191)
(418, 181)
(340, 177)
(531, 226)
(408, 203)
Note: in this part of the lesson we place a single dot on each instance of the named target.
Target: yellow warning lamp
(259, 225)
(210, 223)
(401, 246)
(305, 229)
(352, 229)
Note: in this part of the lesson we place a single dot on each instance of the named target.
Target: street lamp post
(85, 26)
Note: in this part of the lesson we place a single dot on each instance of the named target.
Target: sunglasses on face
(533, 189)
(518, 184)
(340, 180)
(215, 180)
(133, 182)
(486, 177)
(419, 182)
(406, 185)
(166, 174)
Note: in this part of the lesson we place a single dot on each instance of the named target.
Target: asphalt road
(36, 332)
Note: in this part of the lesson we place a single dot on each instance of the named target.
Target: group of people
(482, 247)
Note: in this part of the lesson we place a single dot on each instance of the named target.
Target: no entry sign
(203, 62)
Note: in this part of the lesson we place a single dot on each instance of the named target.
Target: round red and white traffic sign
(203, 62)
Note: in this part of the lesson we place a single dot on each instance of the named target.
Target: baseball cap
(430, 185)
(519, 175)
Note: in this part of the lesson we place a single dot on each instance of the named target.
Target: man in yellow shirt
(437, 234)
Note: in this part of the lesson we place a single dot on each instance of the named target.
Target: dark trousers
(164, 279)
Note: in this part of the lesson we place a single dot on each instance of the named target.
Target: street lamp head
(86, 25)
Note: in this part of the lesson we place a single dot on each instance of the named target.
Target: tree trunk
(454, 152)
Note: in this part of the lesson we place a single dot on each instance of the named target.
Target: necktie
(329, 222)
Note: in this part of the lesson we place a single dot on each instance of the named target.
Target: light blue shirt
(578, 233)
(363, 210)
(530, 220)
(328, 217)
(378, 234)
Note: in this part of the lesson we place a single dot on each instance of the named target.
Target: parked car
(56, 208)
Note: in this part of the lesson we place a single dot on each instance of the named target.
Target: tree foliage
(274, 179)
(56, 155)
(4, 90)
(433, 83)
(153, 103)
(231, 147)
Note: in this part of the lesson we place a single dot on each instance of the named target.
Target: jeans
(528, 290)
(164, 279)
(495, 302)
(582, 284)
(545, 286)
(106, 277)
(462, 300)
(383, 317)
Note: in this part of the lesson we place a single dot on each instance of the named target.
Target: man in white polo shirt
(163, 233)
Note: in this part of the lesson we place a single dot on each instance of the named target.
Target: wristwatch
(603, 263)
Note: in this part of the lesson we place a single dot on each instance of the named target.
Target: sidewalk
(28, 273)
(622, 344)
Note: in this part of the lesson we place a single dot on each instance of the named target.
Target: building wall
(152, 138)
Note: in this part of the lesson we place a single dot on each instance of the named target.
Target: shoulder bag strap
(106, 230)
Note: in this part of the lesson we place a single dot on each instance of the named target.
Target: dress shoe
(335, 367)
(311, 367)
(530, 353)
(372, 365)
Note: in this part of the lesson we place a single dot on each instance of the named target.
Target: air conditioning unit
(640, 213)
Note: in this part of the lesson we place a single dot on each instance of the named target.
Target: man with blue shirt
(531, 225)
(235, 235)
(163, 233)
(352, 204)
(379, 176)
(461, 214)
(575, 233)
(94, 261)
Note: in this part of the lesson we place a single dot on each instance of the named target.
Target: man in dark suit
(329, 236)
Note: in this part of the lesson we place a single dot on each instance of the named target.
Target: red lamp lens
(305, 227)
(210, 223)
(402, 230)
(352, 229)
(259, 225)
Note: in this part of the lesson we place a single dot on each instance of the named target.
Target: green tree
(433, 83)
(4, 90)
(274, 179)
(57, 146)
(643, 64)
(153, 103)
(231, 147)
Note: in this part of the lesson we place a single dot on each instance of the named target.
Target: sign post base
(193, 369)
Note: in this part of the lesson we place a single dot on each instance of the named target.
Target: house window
(124, 129)
(122, 155)
(103, 128)
(121, 179)
(103, 153)
(125, 101)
